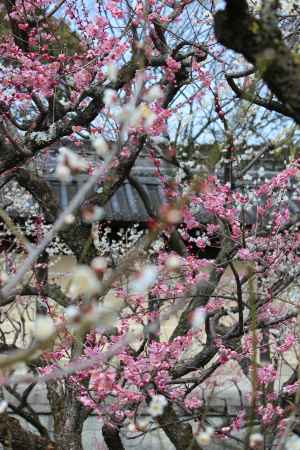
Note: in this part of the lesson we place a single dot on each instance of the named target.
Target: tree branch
(262, 44)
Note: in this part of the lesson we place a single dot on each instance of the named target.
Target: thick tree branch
(48, 200)
(270, 105)
(20, 439)
(112, 438)
(180, 434)
(262, 44)
(52, 291)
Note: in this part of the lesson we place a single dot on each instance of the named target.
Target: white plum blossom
(145, 280)
(173, 262)
(198, 318)
(63, 173)
(204, 437)
(157, 405)
(293, 443)
(255, 440)
(109, 97)
(3, 406)
(112, 72)
(68, 162)
(157, 245)
(101, 147)
(143, 423)
(84, 282)
(126, 240)
(69, 219)
(129, 115)
(149, 117)
(132, 427)
(43, 327)
(99, 264)
(72, 312)
(132, 116)
(154, 93)
(69, 158)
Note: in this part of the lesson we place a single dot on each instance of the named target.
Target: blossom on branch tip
(109, 97)
(73, 161)
(43, 327)
(204, 437)
(173, 262)
(157, 405)
(84, 282)
(293, 443)
(63, 173)
(71, 313)
(198, 318)
(256, 440)
(154, 93)
(144, 280)
(101, 147)
(99, 264)
(112, 72)
(3, 406)
(143, 423)
(69, 219)
(192, 403)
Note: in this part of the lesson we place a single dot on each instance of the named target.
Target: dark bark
(271, 105)
(69, 415)
(262, 44)
(112, 438)
(179, 433)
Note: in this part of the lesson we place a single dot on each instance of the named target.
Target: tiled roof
(263, 171)
(126, 205)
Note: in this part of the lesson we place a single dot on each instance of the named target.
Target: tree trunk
(69, 415)
(179, 433)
